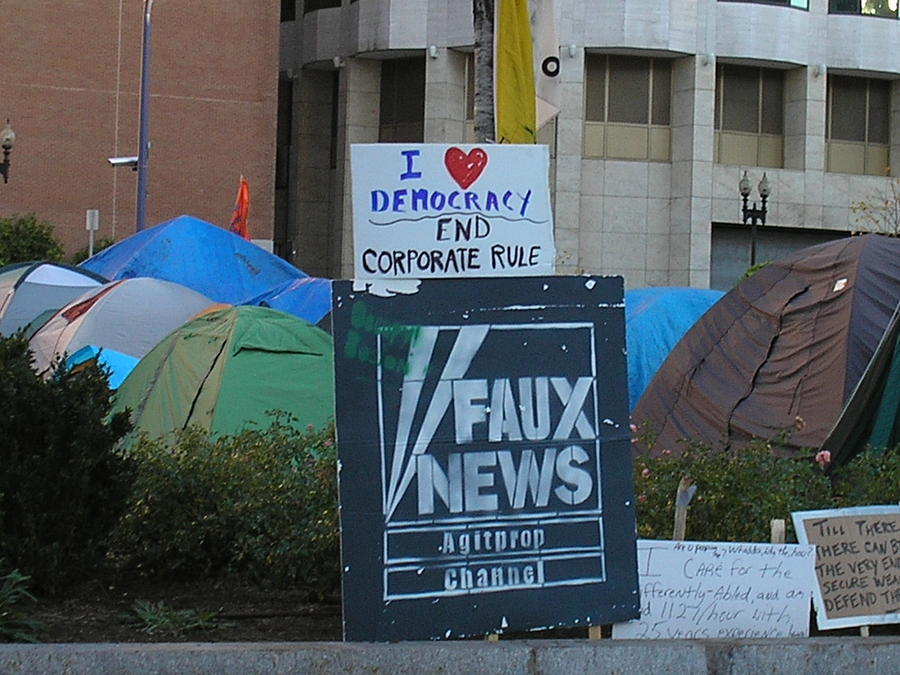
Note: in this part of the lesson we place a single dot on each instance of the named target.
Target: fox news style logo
(490, 459)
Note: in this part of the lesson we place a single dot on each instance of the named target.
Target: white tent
(129, 316)
(29, 289)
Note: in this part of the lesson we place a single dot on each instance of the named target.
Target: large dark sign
(485, 460)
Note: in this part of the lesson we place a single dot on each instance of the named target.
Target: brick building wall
(70, 82)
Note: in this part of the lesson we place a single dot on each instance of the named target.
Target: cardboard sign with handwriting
(719, 589)
(857, 564)
(431, 210)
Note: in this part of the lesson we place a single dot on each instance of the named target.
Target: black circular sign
(550, 66)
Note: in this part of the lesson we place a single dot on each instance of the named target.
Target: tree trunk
(483, 14)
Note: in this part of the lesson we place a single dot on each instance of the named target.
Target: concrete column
(358, 116)
(309, 224)
(804, 118)
(804, 142)
(693, 99)
(895, 129)
(445, 96)
(566, 173)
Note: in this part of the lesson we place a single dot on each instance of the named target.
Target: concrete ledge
(798, 657)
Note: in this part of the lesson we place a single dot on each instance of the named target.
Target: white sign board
(433, 210)
(857, 564)
(692, 589)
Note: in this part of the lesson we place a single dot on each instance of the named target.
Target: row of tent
(198, 326)
(184, 318)
(805, 352)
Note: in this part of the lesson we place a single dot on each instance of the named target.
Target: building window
(402, 112)
(857, 125)
(288, 10)
(799, 4)
(627, 103)
(749, 116)
(869, 7)
(313, 5)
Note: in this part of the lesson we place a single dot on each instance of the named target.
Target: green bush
(13, 627)
(62, 486)
(739, 493)
(869, 478)
(259, 506)
(23, 237)
(82, 254)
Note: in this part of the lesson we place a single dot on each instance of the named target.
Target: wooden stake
(493, 637)
(777, 529)
(864, 631)
(686, 491)
(595, 633)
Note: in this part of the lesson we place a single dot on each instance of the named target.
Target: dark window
(749, 100)
(858, 109)
(402, 111)
(799, 4)
(638, 92)
(288, 10)
(313, 5)
(868, 7)
(629, 90)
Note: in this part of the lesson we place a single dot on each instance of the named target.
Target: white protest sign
(692, 589)
(437, 210)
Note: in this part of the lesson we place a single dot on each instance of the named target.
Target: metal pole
(753, 236)
(143, 140)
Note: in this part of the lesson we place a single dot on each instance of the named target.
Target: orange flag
(241, 210)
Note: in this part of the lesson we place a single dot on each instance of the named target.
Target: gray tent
(129, 316)
(30, 289)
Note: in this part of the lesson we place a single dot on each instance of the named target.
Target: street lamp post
(753, 214)
(7, 140)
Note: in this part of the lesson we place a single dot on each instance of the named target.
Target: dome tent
(196, 254)
(228, 369)
(30, 289)
(128, 316)
(309, 298)
(656, 318)
(781, 353)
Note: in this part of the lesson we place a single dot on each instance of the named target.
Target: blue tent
(308, 298)
(118, 364)
(196, 254)
(655, 320)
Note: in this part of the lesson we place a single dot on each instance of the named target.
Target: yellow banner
(514, 100)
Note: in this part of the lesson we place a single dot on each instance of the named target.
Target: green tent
(226, 369)
(871, 417)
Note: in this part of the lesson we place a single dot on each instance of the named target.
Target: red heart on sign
(465, 169)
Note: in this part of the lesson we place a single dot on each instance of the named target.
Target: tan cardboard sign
(857, 564)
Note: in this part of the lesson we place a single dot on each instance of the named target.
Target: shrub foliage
(23, 237)
(259, 506)
(739, 493)
(62, 486)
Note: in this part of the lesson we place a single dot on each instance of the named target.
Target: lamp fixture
(7, 140)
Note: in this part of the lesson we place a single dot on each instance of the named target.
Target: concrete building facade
(665, 104)
(69, 84)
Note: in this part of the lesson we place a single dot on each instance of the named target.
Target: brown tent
(781, 352)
